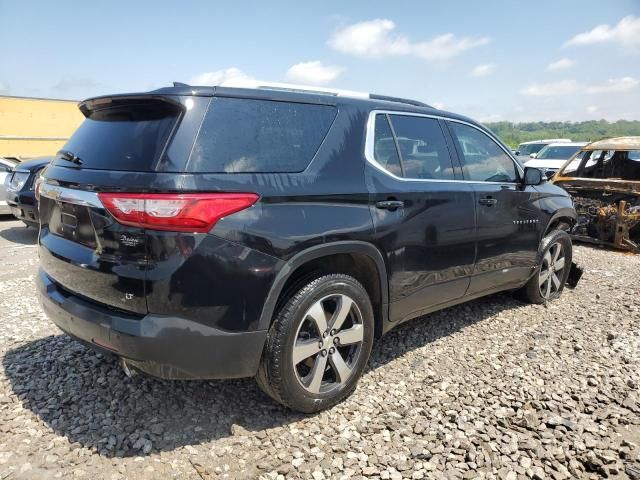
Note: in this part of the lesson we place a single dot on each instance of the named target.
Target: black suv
(209, 232)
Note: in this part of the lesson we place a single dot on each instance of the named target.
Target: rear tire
(318, 345)
(554, 264)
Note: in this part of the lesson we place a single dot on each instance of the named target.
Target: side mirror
(533, 176)
(533, 155)
(517, 152)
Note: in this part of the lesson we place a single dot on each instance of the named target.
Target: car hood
(545, 163)
(33, 165)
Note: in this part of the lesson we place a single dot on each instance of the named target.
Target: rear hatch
(124, 144)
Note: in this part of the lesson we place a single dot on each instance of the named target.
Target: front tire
(553, 268)
(318, 345)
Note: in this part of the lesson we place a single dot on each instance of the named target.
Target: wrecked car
(604, 181)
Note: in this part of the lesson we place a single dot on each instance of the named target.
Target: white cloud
(564, 87)
(615, 85)
(446, 46)
(313, 73)
(4, 89)
(483, 70)
(626, 32)
(227, 77)
(376, 38)
(370, 39)
(561, 64)
(592, 109)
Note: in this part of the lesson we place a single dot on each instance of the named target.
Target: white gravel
(491, 389)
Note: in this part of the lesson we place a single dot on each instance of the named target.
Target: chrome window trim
(369, 147)
(70, 195)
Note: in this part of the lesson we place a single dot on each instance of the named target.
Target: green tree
(515, 133)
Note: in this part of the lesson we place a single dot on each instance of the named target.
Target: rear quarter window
(259, 136)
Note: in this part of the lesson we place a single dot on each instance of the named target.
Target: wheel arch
(563, 217)
(294, 268)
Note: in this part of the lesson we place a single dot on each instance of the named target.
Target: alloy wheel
(551, 270)
(328, 343)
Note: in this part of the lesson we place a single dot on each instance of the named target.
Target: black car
(20, 187)
(209, 232)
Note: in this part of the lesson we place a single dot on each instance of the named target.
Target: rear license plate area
(69, 220)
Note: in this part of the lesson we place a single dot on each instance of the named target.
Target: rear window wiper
(70, 157)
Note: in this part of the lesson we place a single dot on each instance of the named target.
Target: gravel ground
(491, 389)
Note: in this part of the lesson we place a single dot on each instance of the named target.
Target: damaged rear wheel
(554, 264)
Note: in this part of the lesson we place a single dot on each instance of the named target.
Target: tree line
(515, 133)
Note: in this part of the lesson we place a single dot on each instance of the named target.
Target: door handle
(390, 204)
(489, 202)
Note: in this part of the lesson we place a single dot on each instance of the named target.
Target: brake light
(179, 212)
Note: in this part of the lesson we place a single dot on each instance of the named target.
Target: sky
(543, 60)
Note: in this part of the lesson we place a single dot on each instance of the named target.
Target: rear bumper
(162, 346)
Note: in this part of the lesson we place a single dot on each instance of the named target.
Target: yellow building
(33, 127)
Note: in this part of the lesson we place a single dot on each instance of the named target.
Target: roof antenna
(180, 84)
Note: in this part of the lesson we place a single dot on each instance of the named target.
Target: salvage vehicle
(553, 156)
(20, 190)
(604, 181)
(217, 232)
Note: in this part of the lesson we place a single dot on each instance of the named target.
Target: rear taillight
(184, 212)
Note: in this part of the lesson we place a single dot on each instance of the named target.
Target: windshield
(603, 164)
(530, 148)
(558, 152)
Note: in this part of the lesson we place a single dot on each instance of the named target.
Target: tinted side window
(423, 148)
(242, 135)
(384, 149)
(483, 159)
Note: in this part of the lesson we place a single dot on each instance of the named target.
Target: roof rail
(291, 87)
(387, 98)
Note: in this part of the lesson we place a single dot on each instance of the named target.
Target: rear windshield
(128, 136)
(243, 135)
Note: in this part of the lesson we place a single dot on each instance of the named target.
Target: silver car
(6, 167)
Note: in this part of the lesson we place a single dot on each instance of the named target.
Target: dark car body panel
(223, 286)
(428, 245)
(164, 346)
(208, 280)
(23, 201)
